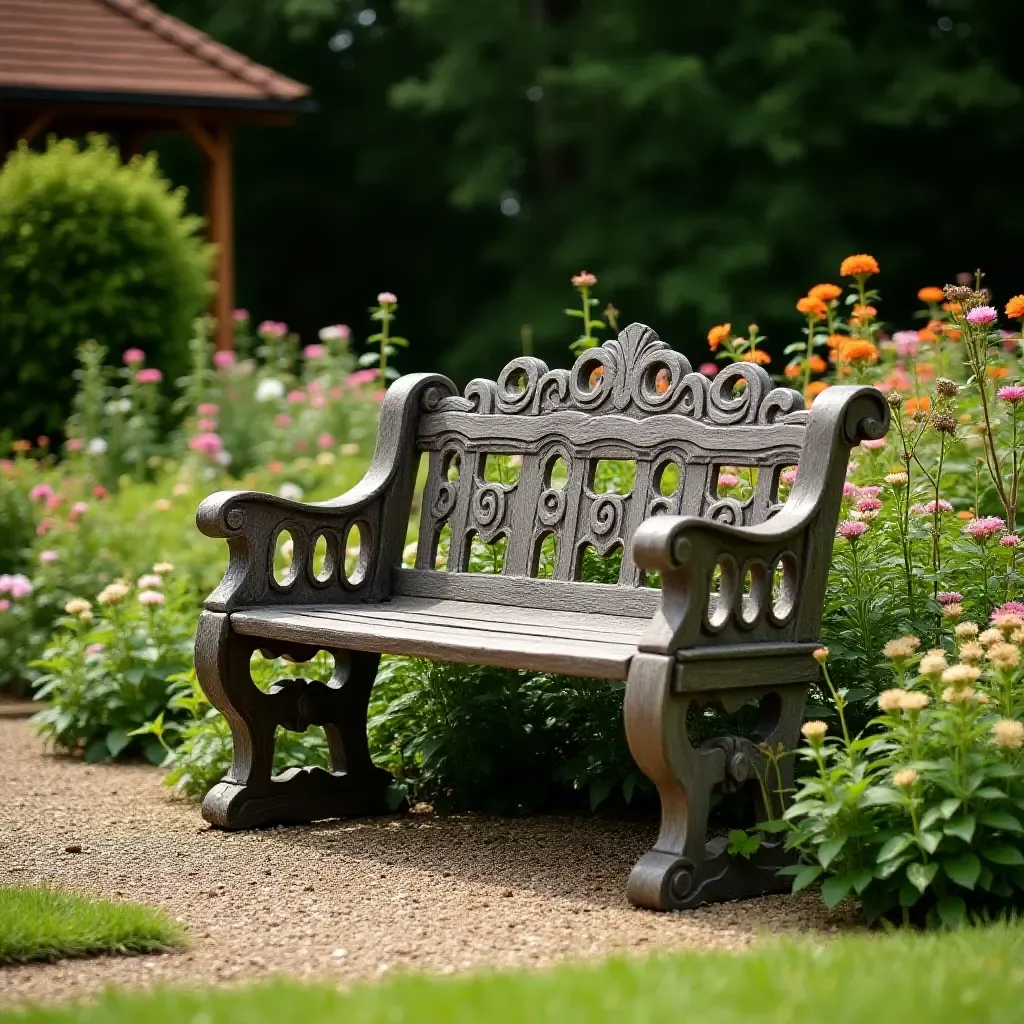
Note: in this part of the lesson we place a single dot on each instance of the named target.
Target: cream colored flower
(349, 448)
(905, 778)
(954, 611)
(814, 731)
(1008, 734)
(966, 630)
(113, 593)
(1006, 624)
(932, 664)
(1004, 656)
(904, 647)
(961, 675)
(990, 636)
(79, 607)
(1017, 636)
(163, 504)
(163, 568)
(897, 478)
(325, 459)
(959, 694)
(971, 653)
(821, 655)
(891, 700)
(914, 700)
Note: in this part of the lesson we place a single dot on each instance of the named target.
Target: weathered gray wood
(679, 647)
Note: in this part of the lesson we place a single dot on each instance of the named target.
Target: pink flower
(315, 351)
(378, 396)
(241, 315)
(272, 329)
(283, 419)
(950, 597)
(928, 509)
(869, 505)
(94, 650)
(40, 492)
(852, 530)
(75, 444)
(787, 477)
(708, 369)
(985, 527)
(362, 377)
(223, 358)
(207, 409)
(336, 332)
(982, 315)
(79, 509)
(296, 397)
(99, 492)
(207, 444)
(874, 445)
(149, 376)
(1010, 608)
(870, 491)
(1011, 540)
(325, 440)
(907, 342)
(20, 586)
(206, 425)
(4, 605)
(48, 556)
(850, 491)
(318, 402)
(46, 524)
(54, 501)
(1012, 393)
(727, 480)
(389, 298)
(584, 279)
(335, 392)
(133, 356)
(151, 598)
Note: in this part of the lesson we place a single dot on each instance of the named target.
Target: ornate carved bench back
(634, 398)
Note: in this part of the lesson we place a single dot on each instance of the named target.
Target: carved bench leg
(683, 869)
(249, 795)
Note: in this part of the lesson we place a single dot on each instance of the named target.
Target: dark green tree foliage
(707, 161)
(89, 248)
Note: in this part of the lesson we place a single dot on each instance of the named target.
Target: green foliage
(89, 248)
(44, 923)
(19, 526)
(970, 977)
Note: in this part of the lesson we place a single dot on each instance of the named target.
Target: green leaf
(829, 849)
(949, 807)
(154, 752)
(989, 793)
(894, 847)
(1002, 820)
(879, 796)
(807, 874)
(117, 740)
(835, 890)
(964, 870)
(929, 841)
(1003, 853)
(963, 828)
(96, 751)
(573, 312)
(861, 878)
(952, 911)
(921, 875)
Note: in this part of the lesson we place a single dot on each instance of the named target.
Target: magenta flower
(728, 481)
(207, 409)
(985, 527)
(17, 585)
(49, 556)
(296, 397)
(282, 419)
(94, 650)
(1010, 608)
(1011, 540)
(869, 505)
(982, 315)
(1012, 393)
(241, 315)
(206, 444)
(40, 492)
(950, 597)
(75, 444)
(907, 343)
(874, 445)
(325, 440)
(223, 358)
(272, 329)
(79, 509)
(388, 298)
(362, 377)
(850, 491)
(314, 351)
(928, 509)
(4, 605)
(708, 369)
(852, 530)
(206, 426)
(787, 477)
(870, 491)
(149, 376)
(133, 356)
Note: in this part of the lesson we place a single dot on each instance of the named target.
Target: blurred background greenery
(708, 161)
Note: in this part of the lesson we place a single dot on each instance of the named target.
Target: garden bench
(734, 621)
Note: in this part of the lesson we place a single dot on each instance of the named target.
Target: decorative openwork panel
(634, 400)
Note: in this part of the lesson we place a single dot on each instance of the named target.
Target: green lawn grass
(971, 976)
(41, 923)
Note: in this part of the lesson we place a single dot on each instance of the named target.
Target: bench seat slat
(569, 643)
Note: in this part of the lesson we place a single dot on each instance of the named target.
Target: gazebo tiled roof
(129, 51)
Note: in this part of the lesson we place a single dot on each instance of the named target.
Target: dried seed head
(946, 388)
(957, 292)
(895, 399)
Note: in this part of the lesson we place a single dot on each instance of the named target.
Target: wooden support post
(215, 142)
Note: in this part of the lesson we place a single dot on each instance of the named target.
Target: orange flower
(663, 381)
(930, 294)
(818, 365)
(925, 371)
(815, 388)
(859, 265)
(968, 516)
(792, 370)
(757, 356)
(717, 335)
(863, 312)
(952, 307)
(595, 375)
(825, 292)
(997, 371)
(811, 307)
(922, 404)
(21, 446)
(835, 340)
(1015, 308)
(926, 334)
(856, 350)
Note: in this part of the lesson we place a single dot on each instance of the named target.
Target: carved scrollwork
(444, 500)
(517, 384)
(551, 506)
(726, 510)
(661, 507)
(489, 505)
(606, 515)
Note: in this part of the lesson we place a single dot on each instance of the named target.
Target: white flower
(113, 593)
(151, 581)
(334, 333)
(291, 491)
(151, 598)
(269, 389)
(163, 568)
(224, 458)
(97, 446)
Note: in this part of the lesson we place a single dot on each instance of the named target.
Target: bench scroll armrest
(772, 575)
(376, 509)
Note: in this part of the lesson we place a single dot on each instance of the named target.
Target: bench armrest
(792, 550)
(377, 507)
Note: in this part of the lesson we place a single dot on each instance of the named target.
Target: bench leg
(684, 870)
(250, 795)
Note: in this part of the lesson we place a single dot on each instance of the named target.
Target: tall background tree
(707, 161)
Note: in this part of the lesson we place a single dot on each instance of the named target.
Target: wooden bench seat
(733, 621)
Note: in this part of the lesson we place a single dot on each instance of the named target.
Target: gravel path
(340, 900)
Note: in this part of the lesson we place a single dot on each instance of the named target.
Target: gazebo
(125, 68)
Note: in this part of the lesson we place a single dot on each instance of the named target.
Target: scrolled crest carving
(635, 374)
